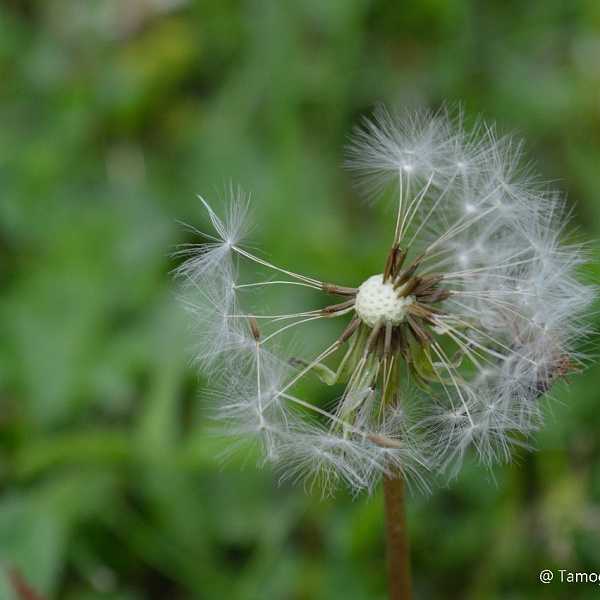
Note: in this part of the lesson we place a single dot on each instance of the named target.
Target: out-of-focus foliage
(114, 114)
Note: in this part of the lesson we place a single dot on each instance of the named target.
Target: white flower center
(378, 300)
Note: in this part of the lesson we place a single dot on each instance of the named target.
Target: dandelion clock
(444, 353)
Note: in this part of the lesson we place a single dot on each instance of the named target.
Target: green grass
(113, 117)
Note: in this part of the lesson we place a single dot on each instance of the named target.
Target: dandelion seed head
(473, 315)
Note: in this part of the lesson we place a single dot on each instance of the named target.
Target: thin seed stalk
(396, 532)
(396, 536)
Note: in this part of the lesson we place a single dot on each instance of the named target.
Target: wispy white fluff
(495, 314)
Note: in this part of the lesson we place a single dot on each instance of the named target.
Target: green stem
(398, 554)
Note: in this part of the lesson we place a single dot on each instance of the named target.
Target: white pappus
(475, 311)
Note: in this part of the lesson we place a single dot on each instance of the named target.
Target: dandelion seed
(473, 314)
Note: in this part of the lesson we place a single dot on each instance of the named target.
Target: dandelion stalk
(396, 538)
(474, 313)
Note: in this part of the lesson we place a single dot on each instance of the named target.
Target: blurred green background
(114, 115)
